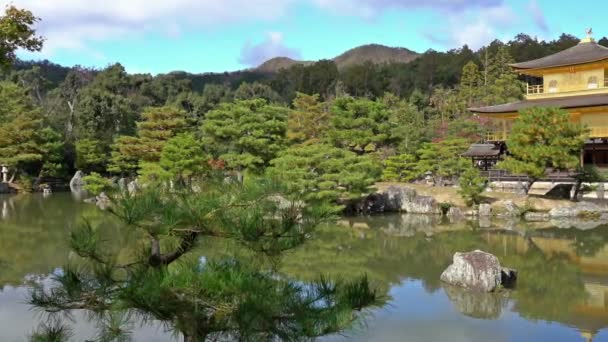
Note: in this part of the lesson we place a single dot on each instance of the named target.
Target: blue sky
(157, 36)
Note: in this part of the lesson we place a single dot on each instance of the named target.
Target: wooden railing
(505, 176)
(598, 132)
(496, 136)
(535, 89)
(540, 89)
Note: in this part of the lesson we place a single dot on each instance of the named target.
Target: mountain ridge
(374, 53)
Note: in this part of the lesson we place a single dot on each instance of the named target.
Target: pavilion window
(592, 82)
(553, 86)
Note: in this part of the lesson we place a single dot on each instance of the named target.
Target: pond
(561, 295)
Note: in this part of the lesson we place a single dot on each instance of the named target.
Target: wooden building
(575, 80)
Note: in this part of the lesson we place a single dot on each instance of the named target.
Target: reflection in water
(477, 305)
(563, 273)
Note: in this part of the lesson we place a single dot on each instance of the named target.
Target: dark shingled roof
(561, 102)
(482, 150)
(579, 54)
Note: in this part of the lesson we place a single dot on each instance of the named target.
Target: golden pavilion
(575, 80)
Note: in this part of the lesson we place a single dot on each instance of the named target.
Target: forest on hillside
(57, 119)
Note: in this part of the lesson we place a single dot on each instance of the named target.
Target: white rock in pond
(77, 181)
(479, 271)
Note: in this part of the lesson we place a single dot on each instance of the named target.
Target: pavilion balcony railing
(496, 136)
(598, 132)
(538, 89)
(497, 175)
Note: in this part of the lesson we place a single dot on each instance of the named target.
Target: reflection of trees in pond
(548, 286)
(34, 234)
(388, 248)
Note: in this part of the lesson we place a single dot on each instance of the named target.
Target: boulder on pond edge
(478, 271)
(77, 181)
(397, 198)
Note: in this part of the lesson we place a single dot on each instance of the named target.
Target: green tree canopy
(360, 125)
(442, 159)
(542, 139)
(25, 144)
(17, 32)
(324, 172)
(245, 134)
(158, 125)
(183, 158)
(308, 120)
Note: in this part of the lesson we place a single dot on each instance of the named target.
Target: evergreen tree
(400, 168)
(408, 127)
(542, 139)
(359, 125)
(321, 172)
(470, 84)
(472, 185)
(245, 134)
(158, 125)
(308, 120)
(90, 155)
(25, 144)
(183, 158)
(443, 159)
(232, 298)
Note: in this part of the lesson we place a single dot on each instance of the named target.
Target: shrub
(96, 184)
(472, 185)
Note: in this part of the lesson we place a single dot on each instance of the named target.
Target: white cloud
(273, 46)
(71, 24)
(369, 8)
(538, 16)
(474, 28)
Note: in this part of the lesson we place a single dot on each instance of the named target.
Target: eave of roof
(482, 150)
(582, 53)
(569, 102)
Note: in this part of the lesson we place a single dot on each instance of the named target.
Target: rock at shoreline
(536, 216)
(77, 181)
(405, 199)
(478, 271)
(506, 208)
(580, 209)
(485, 209)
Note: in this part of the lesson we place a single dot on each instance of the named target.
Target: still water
(561, 295)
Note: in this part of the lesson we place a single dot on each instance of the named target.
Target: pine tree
(472, 185)
(400, 168)
(322, 172)
(239, 297)
(183, 158)
(158, 125)
(359, 125)
(470, 84)
(542, 139)
(308, 120)
(443, 159)
(245, 134)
